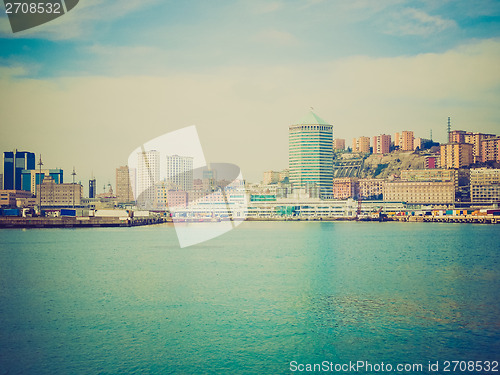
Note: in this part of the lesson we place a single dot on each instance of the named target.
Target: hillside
(382, 166)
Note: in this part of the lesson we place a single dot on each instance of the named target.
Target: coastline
(99, 222)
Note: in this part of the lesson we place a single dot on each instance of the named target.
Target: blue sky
(114, 73)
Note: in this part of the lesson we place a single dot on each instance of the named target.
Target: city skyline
(93, 85)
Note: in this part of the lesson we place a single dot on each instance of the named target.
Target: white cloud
(416, 22)
(243, 113)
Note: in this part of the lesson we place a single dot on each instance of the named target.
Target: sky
(88, 88)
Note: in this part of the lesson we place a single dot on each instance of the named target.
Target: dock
(77, 222)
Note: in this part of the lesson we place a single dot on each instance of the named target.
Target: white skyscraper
(179, 172)
(148, 174)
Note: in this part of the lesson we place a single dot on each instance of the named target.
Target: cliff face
(382, 166)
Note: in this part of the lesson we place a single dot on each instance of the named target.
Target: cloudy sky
(88, 88)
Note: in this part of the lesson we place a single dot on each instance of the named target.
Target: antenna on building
(449, 129)
(431, 134)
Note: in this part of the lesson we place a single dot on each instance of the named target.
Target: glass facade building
(14, 162)
(311, 154)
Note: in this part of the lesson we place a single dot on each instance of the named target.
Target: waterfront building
(168, 198)
(490, 149)
(59, 195)
(382, 144)
(440, 175)
(372, 188)
(179, 172)
(420, 192)
(361, 144)
(456, 155)
(92, 188)
(339, 144)
(31, 178)
(485, 185)
(311, 153)
(9, 198)
(148, 174)
(344, 188)
(14, 162)
(271, 177)
(124, 191)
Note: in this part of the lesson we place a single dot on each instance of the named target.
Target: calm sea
(129, 300)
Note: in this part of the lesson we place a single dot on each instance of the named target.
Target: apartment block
(361, 144)
(371, 188)
(381, 144)
(433, 161)
(476, 140)
(485, 185)
(490, 149)
(344, 188)
(420, 192)
(404, 140)
(456, 155)
(339, 144)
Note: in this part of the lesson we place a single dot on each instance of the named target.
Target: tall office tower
(148, 174)
(361, 144)
(13, 164)
(124, 192)
(310, 146)
(92, 188)
(179, 172)
(381, 144)
(1, 181)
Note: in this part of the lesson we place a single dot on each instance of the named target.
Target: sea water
(265, 298)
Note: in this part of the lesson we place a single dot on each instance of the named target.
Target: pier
(77, 222)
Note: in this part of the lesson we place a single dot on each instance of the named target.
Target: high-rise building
(361, 144)
(404, 140)
(381, 144)
(477, 139)
(92, 188)
(124, 192)
(311, 153)
(31, 178)
(148, 174)
(179, 172)
(270, 177)
(490, 149)
(339, 144)
(13, 164)
(457, 136)
(456, 155)
(1, 181)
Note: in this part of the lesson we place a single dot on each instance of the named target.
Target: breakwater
(77, 222)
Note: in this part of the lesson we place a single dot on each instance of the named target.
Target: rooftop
(312, 119)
